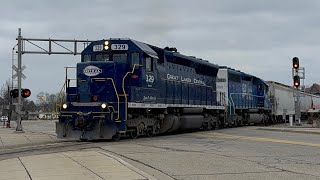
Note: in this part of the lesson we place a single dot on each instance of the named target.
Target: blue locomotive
(129, 88)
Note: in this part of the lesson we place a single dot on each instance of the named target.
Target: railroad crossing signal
(25, 93)
(17, 72)
(14, 93)
(295, 63)
(297, 74)
(296, 81)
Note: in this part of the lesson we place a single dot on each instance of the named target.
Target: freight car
(128, 88)
(283, 105)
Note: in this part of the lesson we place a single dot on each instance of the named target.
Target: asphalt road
(236, 153)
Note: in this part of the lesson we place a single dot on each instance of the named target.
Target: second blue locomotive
(126, 87)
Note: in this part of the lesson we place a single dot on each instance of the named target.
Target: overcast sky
(255, 36)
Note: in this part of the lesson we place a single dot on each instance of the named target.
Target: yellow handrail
(124, 91)
(115, 89)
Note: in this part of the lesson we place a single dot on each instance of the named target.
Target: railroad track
(52, 147)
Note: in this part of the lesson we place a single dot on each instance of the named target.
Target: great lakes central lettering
(183, 79)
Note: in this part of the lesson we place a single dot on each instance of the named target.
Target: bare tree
(5, 99)
(47, 102)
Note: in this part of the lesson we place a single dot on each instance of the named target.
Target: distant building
(314, 89)
(42, 115)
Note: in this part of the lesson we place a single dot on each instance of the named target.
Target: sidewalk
(77, 165)
(8, 137)
(294, 129)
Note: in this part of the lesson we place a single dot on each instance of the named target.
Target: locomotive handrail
(231, 104)
(64, 87)
(68, 67)
(59, 98)
(115, 90)
(124, 91)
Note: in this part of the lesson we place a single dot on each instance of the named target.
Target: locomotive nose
(95, 79)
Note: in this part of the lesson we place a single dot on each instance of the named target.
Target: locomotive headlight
(103, 105)
(106, 45)
(65, 106)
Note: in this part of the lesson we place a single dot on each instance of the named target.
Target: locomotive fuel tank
(191, 122)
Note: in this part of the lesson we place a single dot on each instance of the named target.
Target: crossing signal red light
(295, 63)
(25, 93)
(296, 81)
(14, 93)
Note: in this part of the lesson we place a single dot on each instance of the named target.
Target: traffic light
(313, 107)
(295, 63)
(25, 93)
(14, 93)
(296, 81)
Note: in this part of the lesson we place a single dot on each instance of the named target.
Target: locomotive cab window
(86, 58)
(102, 57)
(120, 58)
(149, 64)
(135, 58)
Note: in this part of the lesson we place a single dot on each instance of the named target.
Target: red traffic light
(295, 63)
(296, 81)
(25, 93)
(313, 107)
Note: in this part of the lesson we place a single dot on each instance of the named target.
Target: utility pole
(19, 73)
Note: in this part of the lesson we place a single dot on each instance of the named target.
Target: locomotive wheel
(149, 132)
(116, 137)
(133, 134)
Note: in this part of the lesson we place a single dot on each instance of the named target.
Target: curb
(148, 176)
(290, 131)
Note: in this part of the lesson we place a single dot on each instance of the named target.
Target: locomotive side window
(135, 58)
(260, 87)
(149, 64)
(120, 58)
(86, 58)
(102, 57)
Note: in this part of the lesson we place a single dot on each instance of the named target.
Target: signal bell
(295, 63)
(296, 81)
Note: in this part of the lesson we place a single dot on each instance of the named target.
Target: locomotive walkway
(79, 164)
